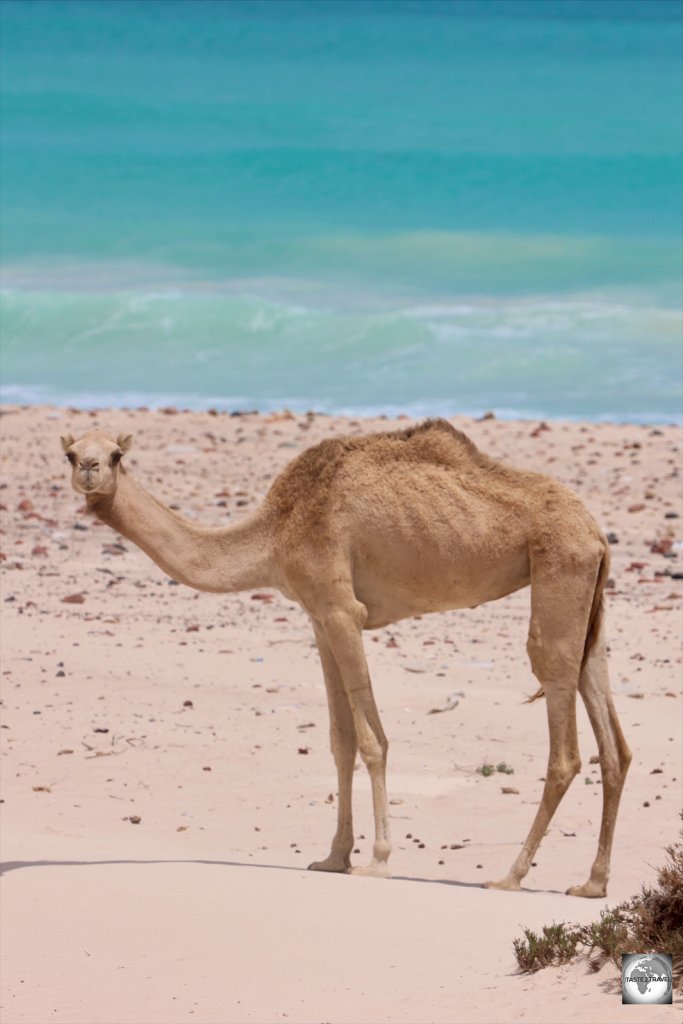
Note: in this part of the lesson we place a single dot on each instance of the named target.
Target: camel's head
(95, 459)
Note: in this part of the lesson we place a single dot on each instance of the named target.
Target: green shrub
(651, 922)
(557, 945)
(490, 769)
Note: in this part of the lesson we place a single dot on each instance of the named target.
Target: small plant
(556, 945)
(609, 936)
(487, 769)
(649, 922)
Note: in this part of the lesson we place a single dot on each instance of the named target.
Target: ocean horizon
(431, 208)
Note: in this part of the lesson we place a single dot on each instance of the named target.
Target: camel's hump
(433, 442)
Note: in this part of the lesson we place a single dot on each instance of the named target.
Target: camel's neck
(221, 560)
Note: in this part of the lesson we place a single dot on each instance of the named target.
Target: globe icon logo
(646, 978)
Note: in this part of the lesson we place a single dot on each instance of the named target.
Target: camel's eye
(116, 458)
(71, 457)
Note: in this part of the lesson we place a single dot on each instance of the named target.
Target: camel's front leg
(344, 747)
(343, 634)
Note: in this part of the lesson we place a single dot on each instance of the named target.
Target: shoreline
(203, 907)
(379, 414)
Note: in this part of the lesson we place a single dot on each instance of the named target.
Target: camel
(363, 531)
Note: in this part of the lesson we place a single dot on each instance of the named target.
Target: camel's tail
(595, 617)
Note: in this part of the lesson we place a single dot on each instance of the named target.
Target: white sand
(202, 910)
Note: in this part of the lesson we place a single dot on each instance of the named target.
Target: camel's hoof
(330, 864)
(376, 869)
(507, 884)
(591, 890)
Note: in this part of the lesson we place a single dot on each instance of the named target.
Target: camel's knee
(614, 766)
(562, 773)
(373, 750)
(625, 757)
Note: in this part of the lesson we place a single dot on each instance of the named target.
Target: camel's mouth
(87, 486)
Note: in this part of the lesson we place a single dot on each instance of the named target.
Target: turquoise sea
(360, 206)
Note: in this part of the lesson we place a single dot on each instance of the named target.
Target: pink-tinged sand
(202, 911)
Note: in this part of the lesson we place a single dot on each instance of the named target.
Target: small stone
(114, 549)
(135, 819)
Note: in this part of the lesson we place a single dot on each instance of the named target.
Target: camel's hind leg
(615, 758)
(563, 764)
(560, 608)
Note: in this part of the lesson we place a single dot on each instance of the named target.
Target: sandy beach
(166, 774)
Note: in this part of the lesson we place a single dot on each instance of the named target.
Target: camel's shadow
(15, 865)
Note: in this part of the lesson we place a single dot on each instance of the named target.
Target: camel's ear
(125, 442)
(67, 441)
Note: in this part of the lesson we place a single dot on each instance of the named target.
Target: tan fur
(363, 531)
